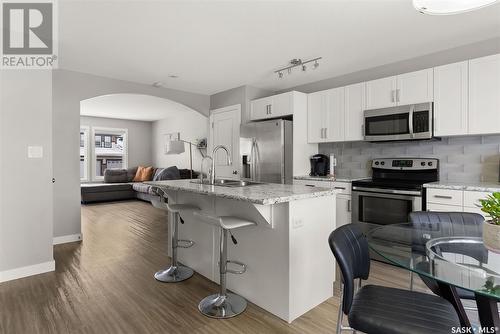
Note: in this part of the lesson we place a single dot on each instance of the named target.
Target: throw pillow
(115, 176)
(143, 174)
(170, 173)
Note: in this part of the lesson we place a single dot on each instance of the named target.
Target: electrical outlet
(35, 152)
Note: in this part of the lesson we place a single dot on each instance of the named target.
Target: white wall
(69, 88)
(25, 184)
(139, 137)
(192, 126)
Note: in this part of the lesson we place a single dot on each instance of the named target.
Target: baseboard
(40, 268)
(67, 238)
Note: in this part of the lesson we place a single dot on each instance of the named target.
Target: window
(84, 153)
(109, 150)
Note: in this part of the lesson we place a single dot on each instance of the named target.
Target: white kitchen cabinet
(444, 200)
(381, 93)
(272, 106)
(259, 109)
(484, 95)
(354, 112)
(451, 99)
(408, 88)
(316, 116)
(334, 130)
(343, 213)
(415, 87)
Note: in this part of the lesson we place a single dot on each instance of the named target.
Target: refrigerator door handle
(253, 164)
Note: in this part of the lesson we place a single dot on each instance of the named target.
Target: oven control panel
(405, 163)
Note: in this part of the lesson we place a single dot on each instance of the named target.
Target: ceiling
(217, 45)
(132, 107)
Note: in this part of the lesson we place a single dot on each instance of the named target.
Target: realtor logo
(28, 34)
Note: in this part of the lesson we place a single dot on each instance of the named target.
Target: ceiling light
(158, 84)
(448, 7)
(295, 63)
(173, 76)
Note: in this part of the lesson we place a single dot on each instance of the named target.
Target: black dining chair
(374, 309)
(444, 224)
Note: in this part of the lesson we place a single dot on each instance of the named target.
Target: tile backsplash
(470, 158)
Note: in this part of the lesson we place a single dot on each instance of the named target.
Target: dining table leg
(449, 293)
(488, 314)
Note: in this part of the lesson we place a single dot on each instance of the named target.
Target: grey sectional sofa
(118, 185)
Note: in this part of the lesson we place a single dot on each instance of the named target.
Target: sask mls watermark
(29, 35)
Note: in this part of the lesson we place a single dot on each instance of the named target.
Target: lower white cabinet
(343, 191)
(445, 200)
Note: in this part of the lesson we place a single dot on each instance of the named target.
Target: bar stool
(177, 272)
(224, 304)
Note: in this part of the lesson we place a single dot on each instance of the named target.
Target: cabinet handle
(349, 205)
(270, 109)
(341, 188)
(392, 95)
(309, 185)
(397, 95)
(326, 132)
(443, 196)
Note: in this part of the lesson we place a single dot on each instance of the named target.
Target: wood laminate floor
(105, 284)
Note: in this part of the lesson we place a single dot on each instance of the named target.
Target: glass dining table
(447, 260)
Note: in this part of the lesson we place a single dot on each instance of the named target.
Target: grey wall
(239, 95)
(484, 48)
(191, 126)
(139, 137)
(25, 184)
(69, 88)
(468, 158)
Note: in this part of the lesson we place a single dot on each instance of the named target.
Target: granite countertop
(328, 178)
(265, 193)
(469, 186)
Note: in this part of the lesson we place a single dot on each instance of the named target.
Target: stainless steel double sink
(227, 183)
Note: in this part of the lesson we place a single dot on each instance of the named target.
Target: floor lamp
(176, 146)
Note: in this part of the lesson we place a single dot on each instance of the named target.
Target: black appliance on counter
(395, 190)
(320, 165)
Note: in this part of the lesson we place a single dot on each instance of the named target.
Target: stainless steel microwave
(409, 122)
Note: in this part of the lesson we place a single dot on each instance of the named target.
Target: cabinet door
(381, 93)
(443, 207)
(354, 107)
(451, 99)
(316, 111)
(484, 95)
(259, 109)
(415, 87)
(335, 115)
(343, 214)
(281, 105)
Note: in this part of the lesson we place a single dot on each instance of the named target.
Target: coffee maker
(320, 165)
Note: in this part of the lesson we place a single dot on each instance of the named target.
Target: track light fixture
(297, 62)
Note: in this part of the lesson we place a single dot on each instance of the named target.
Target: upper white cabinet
(484, 95)
(272, 106)
(334, 130)
(327, 114)
(316, 116)
(415, 87)
(381, 93)
(451, 99)
(354, 107)
(408, 88)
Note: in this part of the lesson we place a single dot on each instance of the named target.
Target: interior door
(225, 130)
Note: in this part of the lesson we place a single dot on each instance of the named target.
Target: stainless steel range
(395, 190)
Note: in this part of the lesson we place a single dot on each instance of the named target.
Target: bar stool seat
(224, 304)
(177, 272)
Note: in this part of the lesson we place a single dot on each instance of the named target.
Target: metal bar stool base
(174, 274)
(222, 307)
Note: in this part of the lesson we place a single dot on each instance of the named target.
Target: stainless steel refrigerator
(266, 151)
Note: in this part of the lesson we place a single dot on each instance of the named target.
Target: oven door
(383, 206)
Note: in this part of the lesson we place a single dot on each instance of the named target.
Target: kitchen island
(290, 266)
